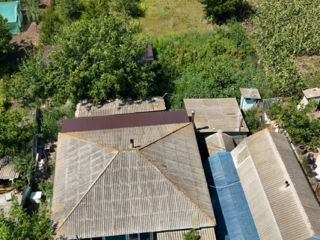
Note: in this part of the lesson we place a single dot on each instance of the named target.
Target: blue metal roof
(9, 10)
(233, 204)
(313, 238)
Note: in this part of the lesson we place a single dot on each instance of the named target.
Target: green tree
(219, 10)
(16, 132)
(98, 59)
(191, 235)
(21, 226)
(5, 37)
(32, 11)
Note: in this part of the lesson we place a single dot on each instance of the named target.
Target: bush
(253, 118)
(208, 64)
(302, 127)
(32, 11)
(220, 10)
(191, 235)
(5, 37)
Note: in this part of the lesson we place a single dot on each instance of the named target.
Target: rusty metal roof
(124, 121)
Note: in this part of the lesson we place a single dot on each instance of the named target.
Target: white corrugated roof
(280, 198)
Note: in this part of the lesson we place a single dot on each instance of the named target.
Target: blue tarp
(231, 202)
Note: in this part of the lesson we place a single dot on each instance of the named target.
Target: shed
(7, 171)
(12, 12)
(130, 175)
(234, 207)
(86, 108)
(309, 94)
(249, 97)
(214, 114)
(282, 202)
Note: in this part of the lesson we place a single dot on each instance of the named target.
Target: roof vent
(193, 113)
(131, 143)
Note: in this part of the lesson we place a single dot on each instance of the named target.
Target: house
(130, 176)
(7, 175)
(280, 198)
(249, 98)
(234, 219)
(12, 12)
(212, 114)
(86, 108)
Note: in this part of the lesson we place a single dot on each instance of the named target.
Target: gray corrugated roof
(219, 142)
(265, 161)
(250, 93)
(7, 171)
(104, 188)
(213, 114)
(119, 106)
(312, 93)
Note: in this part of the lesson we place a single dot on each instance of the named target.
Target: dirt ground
(28, 37)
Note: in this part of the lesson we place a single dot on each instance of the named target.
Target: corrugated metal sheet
(219, 142)
(7, 171)
(235, 210)
(265, 162)
(119, 106)
(215, 114)
(312, 93)
(101, 191)
(204, 233)
(124, 121)
(250, 93)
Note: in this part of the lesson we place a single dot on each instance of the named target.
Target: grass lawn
(309, 67)
(166, 16)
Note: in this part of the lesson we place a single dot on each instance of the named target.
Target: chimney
(193, 113)
(131, 143)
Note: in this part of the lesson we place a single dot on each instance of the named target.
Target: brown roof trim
(124, 121)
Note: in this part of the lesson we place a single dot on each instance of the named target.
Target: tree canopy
(95, 59)
(5, 37)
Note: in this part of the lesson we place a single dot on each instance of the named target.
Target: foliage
(219, 10)
(283, 29)
(20, 226)
(5, 37)
(253, 118)
(302, 127)
(23, 163)
(208, 64)
(32, 11)
(50, 123)
(98, 59)
(15, 132)
(34, 89)
(3, 97)
(191, 235)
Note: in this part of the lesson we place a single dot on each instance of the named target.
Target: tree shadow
(243, 11)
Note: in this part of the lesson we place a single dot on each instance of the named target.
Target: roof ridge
(92, 143)
(166, 135)
(176, 187)
(94, 182)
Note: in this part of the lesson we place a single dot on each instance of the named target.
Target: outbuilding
(249, 97)
(12, 12)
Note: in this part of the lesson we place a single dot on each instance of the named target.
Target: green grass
(309, 67)
(167, 16)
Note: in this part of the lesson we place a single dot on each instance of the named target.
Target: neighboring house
(12, 12)
(120, 106)
(280, 198)
(7, 174)
(229, 201)
(249, 98)
(130, 176)
(214, 114)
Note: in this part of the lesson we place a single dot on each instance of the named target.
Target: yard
(167, 16)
